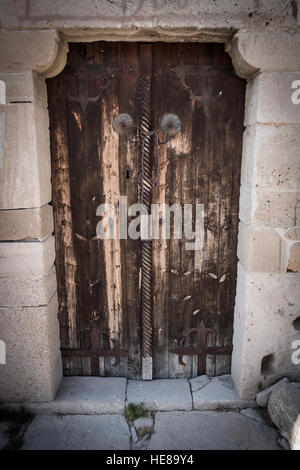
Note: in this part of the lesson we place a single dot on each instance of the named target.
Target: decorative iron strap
(146, 199)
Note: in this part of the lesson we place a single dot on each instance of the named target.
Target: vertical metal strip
(146, 199)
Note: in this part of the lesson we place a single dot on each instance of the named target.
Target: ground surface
(174, 430)
(115, 414)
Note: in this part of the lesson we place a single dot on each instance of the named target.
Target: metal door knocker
(122, 124)
(170, 124)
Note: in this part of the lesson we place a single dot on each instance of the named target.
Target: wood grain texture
(99, 281)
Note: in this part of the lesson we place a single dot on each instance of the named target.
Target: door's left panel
(98, 280)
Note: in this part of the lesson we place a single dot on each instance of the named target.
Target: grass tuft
(133, 411)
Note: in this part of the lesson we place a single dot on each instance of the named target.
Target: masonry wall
(263, 40)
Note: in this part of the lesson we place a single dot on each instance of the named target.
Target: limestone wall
(263, 40)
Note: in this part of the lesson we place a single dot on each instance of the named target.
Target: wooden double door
(100, 281)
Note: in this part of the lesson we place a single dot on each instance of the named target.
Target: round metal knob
(170, 124)
(122, 123)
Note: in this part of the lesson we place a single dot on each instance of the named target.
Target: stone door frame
(266, 303)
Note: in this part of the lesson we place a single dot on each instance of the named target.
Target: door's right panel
(199, 165)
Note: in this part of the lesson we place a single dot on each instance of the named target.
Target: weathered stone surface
(26, 224)
(293, 234)
(143, 426)
(4, 439)
(26, 86)
(284, 411)
(219, 393)
(198, 382)
(86, 395)
(266, 305)
(22, 259)
(294, 258)
(263, 397)
(262, 51)
(106, 432)
(28, 292)
(252, 414)
(210, 430)
(33, 368)
(277, 209)
(271, 157)
(25, 172)
(269, 99)
(162, 394)
(259, 249)
(73, 17)
(41, 51)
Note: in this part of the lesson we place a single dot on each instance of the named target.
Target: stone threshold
(110, 395)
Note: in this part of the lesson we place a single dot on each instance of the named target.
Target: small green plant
(133, 411)
(259, 387)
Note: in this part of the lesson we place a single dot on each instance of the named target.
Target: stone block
(247, 204)
(252, 51)
(219, 393)
(294, 258)
(198, 382)
(262, 398)
(265, 308)
(269, 99)
(161, 394)
(204, 16)
(25, 87)
(26, 224)
(271, 157)
(29, 291)
(277, 209)
(85, 395)
(284, 411)
(40, 51)
(259, 250)
(33, 368)
(26, 170)
(26, 259)
(292, 234)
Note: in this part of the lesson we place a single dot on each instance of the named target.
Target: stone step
(85, 396)
(160, 394)
(109, 395)
(219, 393)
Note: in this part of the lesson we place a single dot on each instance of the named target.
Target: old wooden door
(106, 323)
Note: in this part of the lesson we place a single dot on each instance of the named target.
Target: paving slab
(210, 430)
(220, 393)
(4, 439)
(160, 394)
(85, 395)
(262, 398)
(252, 414)
(104, 432)
(198, 382)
